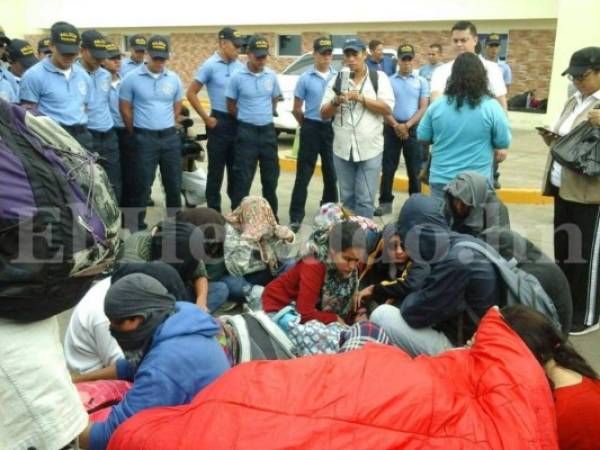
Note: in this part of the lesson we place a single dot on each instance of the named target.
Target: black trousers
(255, 144)
(220, 147)
(316, 139)
(577, 252)
(106, 145)
(81, 135)
(413, 158)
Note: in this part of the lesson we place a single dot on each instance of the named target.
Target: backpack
(337, 85)
(58, 217)
(520, 286)
(256, 337)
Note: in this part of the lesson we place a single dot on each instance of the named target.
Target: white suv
(286, 122)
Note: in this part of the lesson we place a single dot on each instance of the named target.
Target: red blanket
(493, 396)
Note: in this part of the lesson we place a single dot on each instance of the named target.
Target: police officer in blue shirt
(21, 57)
(137, 47)
(100, 122)
(9, 89)
(150, 100)
(58, 88)
(221, 127)
(43, 47)
(411, 93)
(252, 94)
(378, 60)
(316, 134)
(112, 63)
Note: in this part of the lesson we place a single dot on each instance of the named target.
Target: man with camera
(357, 100)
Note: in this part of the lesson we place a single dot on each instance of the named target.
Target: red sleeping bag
(493, 396)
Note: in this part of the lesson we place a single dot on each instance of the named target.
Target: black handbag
(580, 149)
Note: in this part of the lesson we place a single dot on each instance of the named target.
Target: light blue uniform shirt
(465, 139)
(9, 88)
(408, 90)
(310, 88)
(128, 65)
(63, 100)
(99, 117)
(215, 74)
(426, 71)
(506, 73)
(152, 98)
(254, 94)
(114, 103)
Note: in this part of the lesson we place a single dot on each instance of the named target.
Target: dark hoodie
(485, 208)
(458, 276)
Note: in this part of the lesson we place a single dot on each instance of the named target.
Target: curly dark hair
(468, 81)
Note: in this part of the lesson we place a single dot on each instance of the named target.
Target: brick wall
(529, 55)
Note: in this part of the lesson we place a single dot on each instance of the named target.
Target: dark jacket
(512, 245)
(458, 276)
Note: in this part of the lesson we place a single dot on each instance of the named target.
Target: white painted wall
(40, 14)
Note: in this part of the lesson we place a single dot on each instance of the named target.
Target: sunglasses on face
(407, 58)
(579, 77)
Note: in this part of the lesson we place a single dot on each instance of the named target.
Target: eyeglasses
(579, 77)
(407, 58)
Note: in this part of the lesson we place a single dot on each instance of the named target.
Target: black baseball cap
(583, 60)
(323, 44)
(65, 38)
(158, 46)
(95, 43)
(355, 44)
(22, 52)
(112, 51)
(138, 42)
(406, 50)
(493, 39)
(258, 46)
(44, 45)
(3, 38)
(231, 34)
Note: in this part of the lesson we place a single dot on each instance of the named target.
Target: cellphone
(546, 130)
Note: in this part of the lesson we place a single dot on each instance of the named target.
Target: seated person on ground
(256, 246)
(433, 318)
(322, 285)
(170, 352)
(575, 383)
(389, 275)
(512, 246)
(88, 344)
(471, 206)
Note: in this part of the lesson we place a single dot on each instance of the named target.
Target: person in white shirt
(88, 343)
(358, 128)
(464, 39)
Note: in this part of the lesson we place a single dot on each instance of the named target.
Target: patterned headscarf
(255, 220)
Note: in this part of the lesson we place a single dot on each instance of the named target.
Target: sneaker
(580, 329)
(497, 184)
(383, 209)
(295, 227)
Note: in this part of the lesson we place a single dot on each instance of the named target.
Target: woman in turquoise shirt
(466, 126)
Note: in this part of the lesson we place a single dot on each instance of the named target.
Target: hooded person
(434, 317)
(170, 351)
(88, 344)
(528, 257)
(471, 206)
(390, 275)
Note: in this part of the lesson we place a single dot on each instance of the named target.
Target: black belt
(77, 128)
(318, 122)
(221, 114)
(156, 133)
(100, 133)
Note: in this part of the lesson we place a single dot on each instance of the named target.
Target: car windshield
(303, 63)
